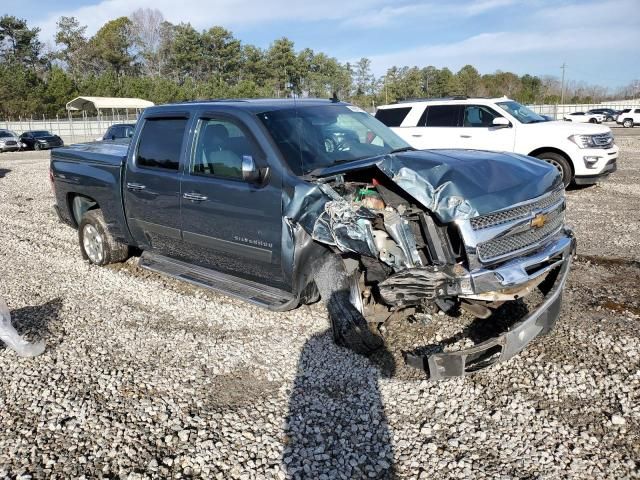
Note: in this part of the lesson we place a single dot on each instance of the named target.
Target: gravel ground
(147, 377)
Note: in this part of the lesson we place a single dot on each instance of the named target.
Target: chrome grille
(10, 142)
(501, 246)
(516, 213)
(603, 140)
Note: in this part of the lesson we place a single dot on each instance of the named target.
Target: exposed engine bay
(407, 260)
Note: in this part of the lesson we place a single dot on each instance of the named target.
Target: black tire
(349, 327)
(560, 163)
(36, 146)
(593, 120)
(627, 123)
(104, 251)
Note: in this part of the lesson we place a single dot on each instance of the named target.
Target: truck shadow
(336, 425)
(3, 172)
(33, 322)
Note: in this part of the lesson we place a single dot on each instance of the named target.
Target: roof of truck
(254, 104)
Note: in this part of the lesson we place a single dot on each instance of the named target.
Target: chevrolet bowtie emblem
(539, 220)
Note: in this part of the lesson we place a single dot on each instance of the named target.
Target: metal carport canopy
(101, 103)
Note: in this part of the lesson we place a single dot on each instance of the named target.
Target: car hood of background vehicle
(564, 129)
(460, 184)
(48, 138)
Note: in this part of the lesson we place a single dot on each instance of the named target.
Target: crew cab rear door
(230, 224)
(152, 183)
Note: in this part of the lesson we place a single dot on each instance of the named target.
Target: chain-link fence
(73, 128)
(559, 111)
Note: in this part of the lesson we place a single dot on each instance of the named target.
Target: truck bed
(94, 171)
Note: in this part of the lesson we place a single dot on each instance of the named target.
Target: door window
(392, 117)
(161, 143)
(219, 147)
(478, 116)
(441, 116)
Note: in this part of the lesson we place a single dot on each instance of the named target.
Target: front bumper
(505, 346)
(609, 168)
(9, 148)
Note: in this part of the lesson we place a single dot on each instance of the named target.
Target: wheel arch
(541, 150)
(78, 205)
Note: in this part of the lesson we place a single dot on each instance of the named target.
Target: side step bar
(256, 293)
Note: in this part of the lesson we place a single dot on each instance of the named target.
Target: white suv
(629, 117)
(584, 153)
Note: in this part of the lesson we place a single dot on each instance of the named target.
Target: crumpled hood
(460, 184)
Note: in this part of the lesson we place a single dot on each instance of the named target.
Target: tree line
(145, 56)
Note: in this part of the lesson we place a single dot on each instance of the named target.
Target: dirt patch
(609, 261)
(239, 388)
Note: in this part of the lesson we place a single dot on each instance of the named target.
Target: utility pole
(564, 65)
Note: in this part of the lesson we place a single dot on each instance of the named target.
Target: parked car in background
(281, 202)
(9, 141)
(40, 140)
(582, 153)
(582, 117)
(119, 130)
(629, 117)
(609, 114)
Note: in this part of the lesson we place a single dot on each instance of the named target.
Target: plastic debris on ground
(12, 339)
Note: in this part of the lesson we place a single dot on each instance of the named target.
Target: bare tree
(147, 33)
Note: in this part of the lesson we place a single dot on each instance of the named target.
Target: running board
(262, 295)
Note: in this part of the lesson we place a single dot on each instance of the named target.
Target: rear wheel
(560, 163)
(628, 123)
(96, 243)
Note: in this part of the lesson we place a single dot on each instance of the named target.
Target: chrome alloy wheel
(93, 243)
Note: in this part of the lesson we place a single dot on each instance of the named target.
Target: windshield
(521, 113)
(5, 134)
(312, 137)
(41, 133)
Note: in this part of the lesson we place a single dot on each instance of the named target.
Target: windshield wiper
(402, 149)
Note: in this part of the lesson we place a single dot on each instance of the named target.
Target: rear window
(392, 117)
(161, 143)
(441, 116)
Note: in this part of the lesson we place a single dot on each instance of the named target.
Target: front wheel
(561, 164)
(36, 146)
(628, 123)
(593, 120)
(96, 243)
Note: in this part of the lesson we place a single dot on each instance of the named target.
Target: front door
(152, 185)
(477, 130)
(229, 224)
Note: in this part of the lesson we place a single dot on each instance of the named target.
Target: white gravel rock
(147, 377)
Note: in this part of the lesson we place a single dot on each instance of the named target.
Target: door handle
(135, 187)
(194, 197)
(416, 135)
(465, 136)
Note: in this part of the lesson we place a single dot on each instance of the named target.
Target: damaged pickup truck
(284, 202)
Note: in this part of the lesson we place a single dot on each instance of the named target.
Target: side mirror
(250, 172)
(501, 122)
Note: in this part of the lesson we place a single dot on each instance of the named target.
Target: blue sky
(598, 39)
